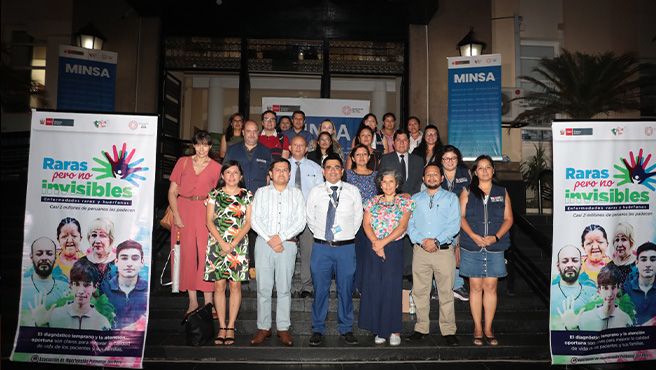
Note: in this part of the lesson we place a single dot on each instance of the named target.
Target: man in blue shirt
(641, 287)
(432, 229)
(298, 129)
(254, 159)
(127, 292)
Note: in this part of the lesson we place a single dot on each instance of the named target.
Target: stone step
(334, 350)
(504, 323)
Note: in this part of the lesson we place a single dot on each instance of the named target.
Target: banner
(87, 79)
(603, 291)
(87, 240)
(345, 114)
(475, 105)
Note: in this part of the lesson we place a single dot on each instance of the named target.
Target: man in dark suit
(409, 165)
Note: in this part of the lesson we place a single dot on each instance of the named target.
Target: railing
(522, 265)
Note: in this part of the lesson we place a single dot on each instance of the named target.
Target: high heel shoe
(229, 340)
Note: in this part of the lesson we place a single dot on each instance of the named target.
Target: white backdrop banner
(87, 239)
(603, 293)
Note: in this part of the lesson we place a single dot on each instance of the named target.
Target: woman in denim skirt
(486, 220)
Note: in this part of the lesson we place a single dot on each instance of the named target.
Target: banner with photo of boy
(87, 240)
(603, 287)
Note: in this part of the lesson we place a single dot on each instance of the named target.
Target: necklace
(37, 288)
(577, 296)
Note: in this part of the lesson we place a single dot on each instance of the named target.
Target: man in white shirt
(277, 219)
(305, 175)
(334, 214)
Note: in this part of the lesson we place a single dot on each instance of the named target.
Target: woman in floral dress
(385, 222)
(228, 220)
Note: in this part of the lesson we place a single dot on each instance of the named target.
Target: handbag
(167, 220)
(199, 326)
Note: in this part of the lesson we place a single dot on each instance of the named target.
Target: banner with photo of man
(87, 239)
(603, 286)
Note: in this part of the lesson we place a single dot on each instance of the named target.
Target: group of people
(360, 221)
(66, 285)
(597, 290)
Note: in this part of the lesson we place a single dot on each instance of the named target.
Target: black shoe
(356, 294)
(306, 294)
(415, 336)
(349, 338)
(451, 340)
(316, 339)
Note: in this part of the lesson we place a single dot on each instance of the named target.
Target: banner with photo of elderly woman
(87, 239)
(603, 287)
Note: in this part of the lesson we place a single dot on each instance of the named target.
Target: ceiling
(303, 19)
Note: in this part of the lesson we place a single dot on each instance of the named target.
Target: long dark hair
(362, 122)
(230, 132)
(473, 186)
(224, 167)
(422, 148)
(362, 128)
(330, 148)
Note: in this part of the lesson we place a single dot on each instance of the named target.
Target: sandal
(229, 340)
(478, 341)
(219, 340)
(492, 341)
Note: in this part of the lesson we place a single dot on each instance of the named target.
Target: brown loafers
(260, 336)
(286, 338)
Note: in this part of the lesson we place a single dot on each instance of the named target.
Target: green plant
(580, 86)
(536, 169)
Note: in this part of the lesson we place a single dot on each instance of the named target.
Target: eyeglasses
(269, 120)
(449, 159)
(333, 168)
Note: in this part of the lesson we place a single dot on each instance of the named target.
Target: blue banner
(475, 105)
(87, 80)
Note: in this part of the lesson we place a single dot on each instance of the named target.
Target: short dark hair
(268, 111)
(414, 118)
(432, 164)
(299, 112)
(606, 277)
(84, 270)
(201, 137)
(389, 114)
(648, 246)
(227, 164)
(129, 244)
(280, 160)
(400, 132)
(332, 157)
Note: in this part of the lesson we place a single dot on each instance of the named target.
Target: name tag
(497, 199)
(260, 160)
(460, 180)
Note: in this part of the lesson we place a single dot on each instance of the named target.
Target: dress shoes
(451, 340)
(415, 336)
(260, 336)
(349, 338)
(285, 338)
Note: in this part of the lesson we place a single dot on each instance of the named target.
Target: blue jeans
(325, 262)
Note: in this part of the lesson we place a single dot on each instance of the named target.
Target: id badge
(336, 229)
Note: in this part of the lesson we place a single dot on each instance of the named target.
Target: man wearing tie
(409, 165)
(305, 175)
(334, 214)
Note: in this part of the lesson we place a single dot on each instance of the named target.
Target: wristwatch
(496, 237)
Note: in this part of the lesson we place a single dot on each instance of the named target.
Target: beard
(43, 269)
(569, 275)
(432, 187)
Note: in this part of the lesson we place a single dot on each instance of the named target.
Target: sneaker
(349, 338)
(379, 340)
(461, 294)
(395, 340)
(316, 339)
